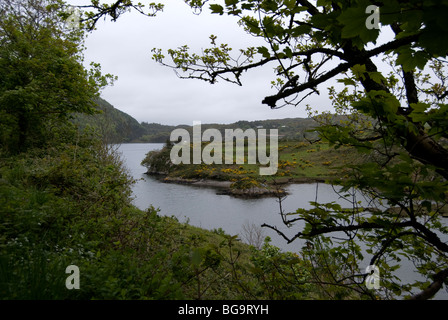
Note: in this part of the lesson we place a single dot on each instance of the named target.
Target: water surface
(203, 207)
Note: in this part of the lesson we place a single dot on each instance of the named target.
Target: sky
(153, 93)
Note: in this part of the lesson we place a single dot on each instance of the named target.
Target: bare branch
(330, 229)
(361, 58)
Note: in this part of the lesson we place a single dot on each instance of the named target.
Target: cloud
(153, 93)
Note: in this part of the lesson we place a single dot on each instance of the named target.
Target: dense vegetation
(389, 60)
(70, 204)
(66, 198)
(114, 125)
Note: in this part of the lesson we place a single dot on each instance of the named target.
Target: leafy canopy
(42, 78)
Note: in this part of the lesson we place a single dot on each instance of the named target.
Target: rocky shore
(225, 187)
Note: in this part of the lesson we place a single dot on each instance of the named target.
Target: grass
(297, 161)
(318, 160)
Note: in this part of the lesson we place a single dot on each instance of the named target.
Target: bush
(70, 204)
(158, 161)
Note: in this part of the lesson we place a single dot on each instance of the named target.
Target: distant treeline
(116, 126)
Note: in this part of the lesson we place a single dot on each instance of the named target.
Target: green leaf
(290, 4)
(418, 112)
(347, 81)
(299, 9)
(321, 3)
(247, 6)
(405, 59)
(421, 58)
(288, 52)
(434, 37)
(359, 70)
(216, 8)
(377, 77)
(320, 21)
(435, 42)
(264, 51)
(420, 107)
(230, 3)
(354, 24)
(427, 205)
(409, 59)
(300, 30)
(269, 5)
(252, 25)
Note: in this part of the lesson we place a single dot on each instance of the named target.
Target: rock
(257, 192)
(213, 183)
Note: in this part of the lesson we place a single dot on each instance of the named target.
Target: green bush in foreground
(70, 204)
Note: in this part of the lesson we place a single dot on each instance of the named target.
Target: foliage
(245, 183)
(397, 120)
(60, 206)
(117, 126)
(159, 161)
(114, 125)
(70, 204)
(65, 198)
(295, 129)
(42, 79)
(282, 275)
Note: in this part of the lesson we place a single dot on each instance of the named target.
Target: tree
(42, 79)
(398, 120)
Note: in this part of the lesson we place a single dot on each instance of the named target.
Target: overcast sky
(153, 93)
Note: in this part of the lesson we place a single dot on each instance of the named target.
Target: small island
(298, 162)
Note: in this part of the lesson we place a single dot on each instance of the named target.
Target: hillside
(288, 129)
(116, 126)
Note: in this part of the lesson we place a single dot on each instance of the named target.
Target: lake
(203, 207)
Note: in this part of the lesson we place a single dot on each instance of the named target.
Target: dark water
(203, 207)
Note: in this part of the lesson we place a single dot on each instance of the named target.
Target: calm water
(202, 207)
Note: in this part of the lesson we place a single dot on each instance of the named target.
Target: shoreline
(270, 189)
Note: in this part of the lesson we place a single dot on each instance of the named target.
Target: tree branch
(433, 288)
(260, 63)
(312, 10)
(323, 230)
(360, 58)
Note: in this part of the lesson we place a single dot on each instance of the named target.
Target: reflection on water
(202, 207)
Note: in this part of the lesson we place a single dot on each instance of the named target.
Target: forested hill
(288, 129)
(117, 126)
(114, 125)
